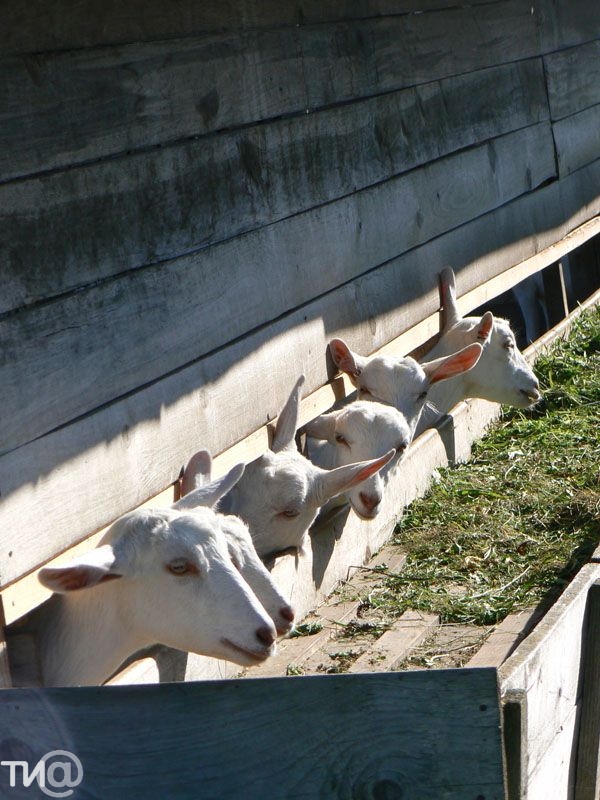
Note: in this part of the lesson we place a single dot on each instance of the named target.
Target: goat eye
(422, 396)
(401, 447)
(341, 439)
(179, 567)
(509, 345)
(289, 513)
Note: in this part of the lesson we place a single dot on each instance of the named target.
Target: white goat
(502, 375)
(241, 548)
(281, 492)
(358, 431)
(158, 576)
(401, 382)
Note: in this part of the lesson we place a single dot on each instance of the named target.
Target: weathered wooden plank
(577, 139)
(157, 205)
(430, 735)
(66, 25)
(82, 107)
(546, 666)
(395, 645)
(573, 78)
(5, 679)
(295, 651)
(588, 743)
(46, 486)
(555, 291)
(106, 340)
(565, 23)
(505, 638)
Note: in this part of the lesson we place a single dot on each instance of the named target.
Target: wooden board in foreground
(419, 736)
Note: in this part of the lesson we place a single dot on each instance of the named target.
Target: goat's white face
(246, 560)
(176, 585)
(278, 499)
(401, 382)
(360, 431)
(502, 374)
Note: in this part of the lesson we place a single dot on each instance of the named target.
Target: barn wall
(194, 200)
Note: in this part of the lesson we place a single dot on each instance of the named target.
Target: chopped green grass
(511, 528)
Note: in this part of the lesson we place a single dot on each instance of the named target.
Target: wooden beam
(5, 679)
(546, 666)
(430, 734)
(505, 638)
(555, 293)
(395, 645)
(588, 742)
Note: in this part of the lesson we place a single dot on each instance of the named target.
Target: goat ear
(197, 472)
(345, 360)
(88, 570)
(341, 479)
(287, 422)
(447, 288)
(449, 366)
(210, 493)
(485, 327)
(322, 427)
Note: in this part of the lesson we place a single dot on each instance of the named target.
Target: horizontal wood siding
(159, 205)
(89, 23)
(179, 238)
(573, 78)
(577, 139)
(121, 335)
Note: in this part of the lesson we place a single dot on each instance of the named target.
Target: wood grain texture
(79, 478)
(116, 337)
(69, 25)
(393, 646)
(573, 78)
(158, 205)
(588, 742)
(5, 679)
(505, 638)
(577, 139)
(72, 25)
(77, 107)
(547, 667)
(421, 736)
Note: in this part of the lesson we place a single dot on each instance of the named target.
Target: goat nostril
(287, 613)
(266, 636)
(368, 500)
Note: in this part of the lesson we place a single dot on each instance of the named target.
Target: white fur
(502, 375)
(158, 576)
(241, 548)
(358, 432)
(281, 492)
(401, 382)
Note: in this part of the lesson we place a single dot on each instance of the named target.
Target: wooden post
(5, 680)
(556, 293)
(587, 776)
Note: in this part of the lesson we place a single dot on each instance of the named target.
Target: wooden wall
(195, 197)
